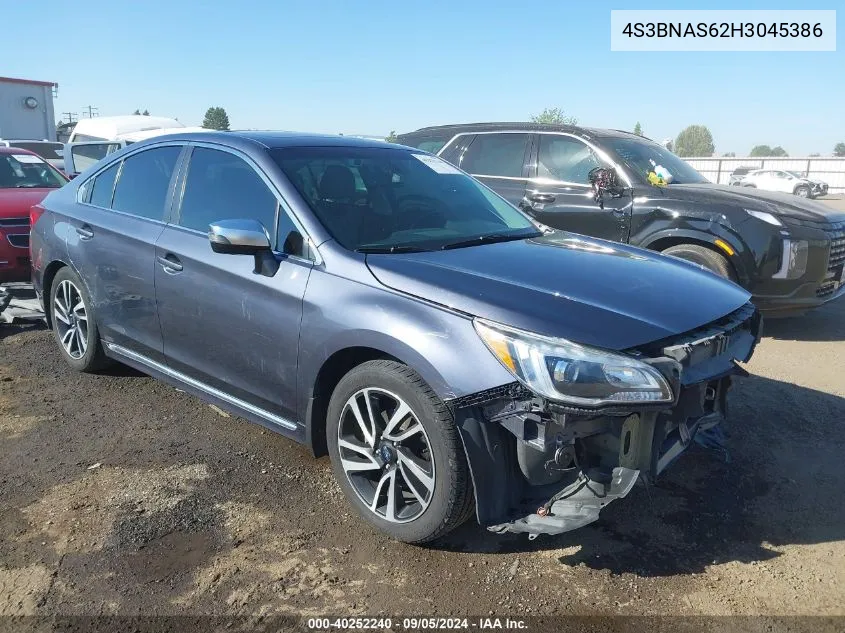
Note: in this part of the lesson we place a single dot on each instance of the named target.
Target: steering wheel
(419, 208)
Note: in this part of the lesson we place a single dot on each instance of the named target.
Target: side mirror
(605, 181)
(244, 237)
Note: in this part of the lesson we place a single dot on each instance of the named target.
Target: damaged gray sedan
(451, 356)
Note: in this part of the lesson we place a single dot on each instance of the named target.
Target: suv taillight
(34, 213)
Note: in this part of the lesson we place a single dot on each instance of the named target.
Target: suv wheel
(703, 256)
(396, 453)
(802, 191)
(73, 322)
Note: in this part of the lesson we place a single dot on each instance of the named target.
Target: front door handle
(543, 198)
(170, 263)
(85, 233)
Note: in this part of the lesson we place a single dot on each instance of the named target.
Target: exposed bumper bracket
(575, 506)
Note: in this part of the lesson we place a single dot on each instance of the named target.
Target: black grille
(21, 240)
(14, 222)
(836, 232)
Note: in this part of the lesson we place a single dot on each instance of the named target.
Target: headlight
(793, 263)
(564, 371)
(766, 217)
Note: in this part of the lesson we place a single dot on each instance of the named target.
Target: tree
(216, 119)
(729, 154)
(638, 129)
(555, 116)
(694, 140)
(839, 149)
(815, 155)
(137, 113)
(391, 138)
(765, 150)
(146, 113)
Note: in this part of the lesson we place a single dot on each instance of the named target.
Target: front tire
(703, 256)
(396, 453)
(74, 326)
(802, 191)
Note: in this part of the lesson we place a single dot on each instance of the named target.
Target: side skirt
(206, 392)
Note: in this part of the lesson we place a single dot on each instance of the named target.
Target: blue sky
(372, 66)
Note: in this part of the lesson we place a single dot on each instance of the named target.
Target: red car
(25, 178)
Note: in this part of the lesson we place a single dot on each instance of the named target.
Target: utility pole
(92, 111)
(72, 117)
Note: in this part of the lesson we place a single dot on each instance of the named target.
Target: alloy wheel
(386, 455)
(71, 319)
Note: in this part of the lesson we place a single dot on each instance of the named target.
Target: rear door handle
(170, 263)
(541, 197)
(85, 233)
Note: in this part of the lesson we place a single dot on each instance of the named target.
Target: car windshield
(391, 200)
(796, 174)
(19, 171)
(643, 156)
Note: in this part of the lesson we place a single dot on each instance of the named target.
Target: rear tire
(703, 256)
(367, 452)
(74, 323)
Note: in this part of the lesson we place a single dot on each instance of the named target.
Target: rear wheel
(703, 256)
(396, 453)
(74, 327)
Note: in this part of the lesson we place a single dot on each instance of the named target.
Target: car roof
(276, 139)
(528, 126)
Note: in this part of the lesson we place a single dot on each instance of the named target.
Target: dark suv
(383, 307)
(788, 252)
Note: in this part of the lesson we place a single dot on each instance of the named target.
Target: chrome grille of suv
(836, 232)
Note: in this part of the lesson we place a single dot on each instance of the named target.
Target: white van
(95, 138)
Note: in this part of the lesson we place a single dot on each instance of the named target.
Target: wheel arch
(333, 369)
(661, 241)
(47, 278)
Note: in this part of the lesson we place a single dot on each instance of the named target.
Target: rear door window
(144, 182)
(500, 155)
(102, 187)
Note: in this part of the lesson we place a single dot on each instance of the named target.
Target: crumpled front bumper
(541, 468)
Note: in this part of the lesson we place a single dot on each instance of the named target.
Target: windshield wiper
(491, 238)
(376, 249)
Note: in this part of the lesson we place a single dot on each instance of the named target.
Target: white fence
(830, 170)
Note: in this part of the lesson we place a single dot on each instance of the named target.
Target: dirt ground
(122, 495)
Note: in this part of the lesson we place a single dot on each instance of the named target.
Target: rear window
(44, 150)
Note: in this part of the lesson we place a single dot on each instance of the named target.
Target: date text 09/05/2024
(723, 29)
(415, 623)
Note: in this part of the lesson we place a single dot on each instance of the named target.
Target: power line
(92, 111)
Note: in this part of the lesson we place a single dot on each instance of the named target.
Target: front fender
(441, 345)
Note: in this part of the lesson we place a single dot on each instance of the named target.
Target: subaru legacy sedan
(451, 355)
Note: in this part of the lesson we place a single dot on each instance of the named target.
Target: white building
(26, 109)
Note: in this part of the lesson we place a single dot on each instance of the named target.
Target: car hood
(782, 204)
(589, 291)
(15, 203)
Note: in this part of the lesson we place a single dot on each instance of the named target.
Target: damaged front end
(542, 466)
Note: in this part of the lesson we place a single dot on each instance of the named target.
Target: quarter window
(144, 180)
(102, 187)
(222, 186)
(565, 158)
(496, 155)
